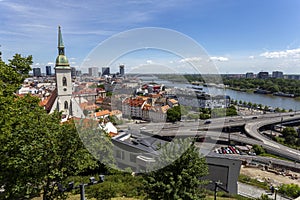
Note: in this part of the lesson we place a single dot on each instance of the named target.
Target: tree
(254, 105)
(289, 131)
(231, 111)
(174, 114)
(249, 104)
(290, 135)
(291, 190)
(258, 149)
(181, 179)
(13, 74)
(37, 151)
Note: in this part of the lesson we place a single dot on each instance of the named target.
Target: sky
(238, 36)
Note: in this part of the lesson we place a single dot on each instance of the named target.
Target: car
(207, 122)
(254, 117)
(230, 151)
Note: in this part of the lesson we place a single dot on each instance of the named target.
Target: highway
(252, 128)
(215, 126)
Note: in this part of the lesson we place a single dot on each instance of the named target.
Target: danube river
(269, 100)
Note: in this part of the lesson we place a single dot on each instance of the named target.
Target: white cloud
(251, 57)
(192, 59)
(149, 62)
(221, 59)
(50, 63)
(295, 53)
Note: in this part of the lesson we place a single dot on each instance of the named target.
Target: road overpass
(252, 129)
(251, 124)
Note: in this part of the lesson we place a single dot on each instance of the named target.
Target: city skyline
(238, 36)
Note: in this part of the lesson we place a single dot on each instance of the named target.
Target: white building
(93, 71)
(61, 99)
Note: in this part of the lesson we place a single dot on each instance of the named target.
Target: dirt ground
(269, 176)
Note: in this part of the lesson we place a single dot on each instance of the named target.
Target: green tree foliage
(289, 131)
(290, 135)
(264, 197)
(272, 84)
(222, 112)
(174, 114)
(181, 179)
(13, 74)
(117, 185)
(291, 190)
(37, 151)
(258, 149)
(231, 111)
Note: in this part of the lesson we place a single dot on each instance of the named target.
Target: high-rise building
(122, 70)
(73, 72)
(93, 71)
(263, 75)
(78, 73)
(249, 75)
(105, 71)
(277, 74)
(48, 71)
(37, 72)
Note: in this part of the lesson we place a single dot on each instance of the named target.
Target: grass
(209, 196)
(234, 197)
(77, 197)
(274, 156)
(252, 181)
(224, 196)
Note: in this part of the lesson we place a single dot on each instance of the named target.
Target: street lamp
(276, 189)
(93, 181)
(218, 185)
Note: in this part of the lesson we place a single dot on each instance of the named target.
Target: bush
(117, 185)
(291, 190)
(258, 149)
(264, 197)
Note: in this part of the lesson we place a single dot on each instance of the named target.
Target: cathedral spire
(61, 60)
(61, 48)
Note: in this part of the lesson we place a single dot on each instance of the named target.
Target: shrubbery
(291, 190)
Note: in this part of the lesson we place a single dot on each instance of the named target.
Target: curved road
(252, 125)
(252, 128)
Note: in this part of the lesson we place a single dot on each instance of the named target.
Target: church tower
(63, 79)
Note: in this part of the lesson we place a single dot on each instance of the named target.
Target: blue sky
(238, 35)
